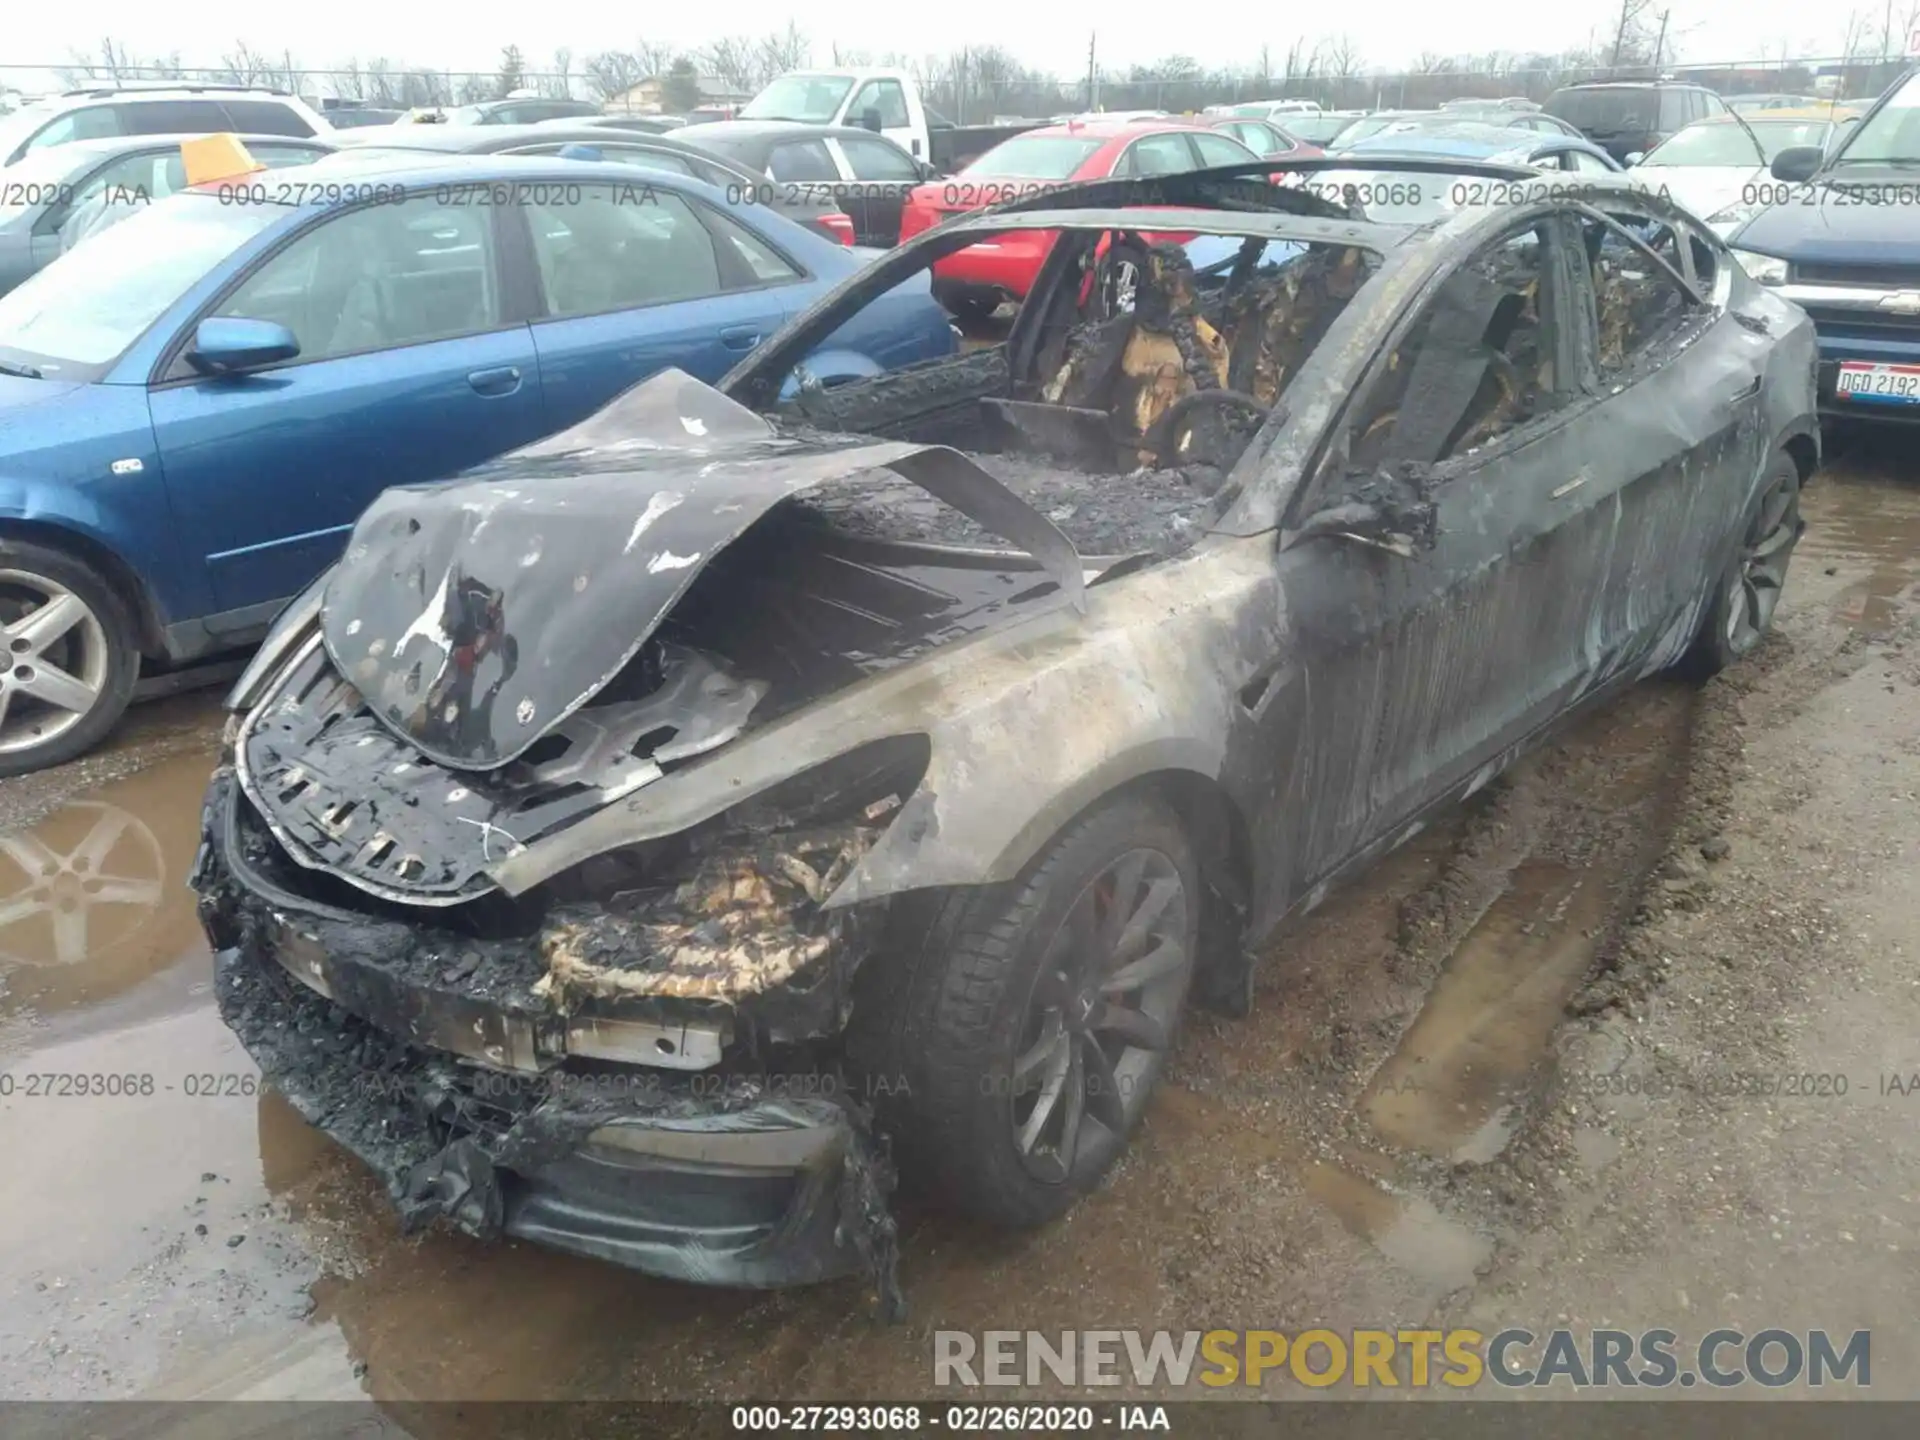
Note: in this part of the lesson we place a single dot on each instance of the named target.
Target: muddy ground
(1500, 1082)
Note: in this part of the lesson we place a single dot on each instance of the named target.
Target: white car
(1718, 167)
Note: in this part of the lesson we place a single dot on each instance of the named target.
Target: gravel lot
(1512, 1078)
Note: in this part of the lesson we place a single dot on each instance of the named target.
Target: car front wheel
(1041, 1014)
(1740, 611)
(70, 657)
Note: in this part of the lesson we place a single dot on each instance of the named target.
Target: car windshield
(1369, 126)
(465, 115)
(15, 128)
(1316, 129)
(812, 98)
(1720, 142)
(1606, 109)
(88, 306)
(28, 181)
(1891, 136)
(1035, 157)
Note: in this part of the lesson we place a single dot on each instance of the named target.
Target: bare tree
(381, 87)
(784, 50)
(655, 59)
(559, 84)
(613, 72)
(243, 65)
(733, 60)
(1629, 35)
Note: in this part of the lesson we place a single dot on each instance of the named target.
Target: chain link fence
(969, 93)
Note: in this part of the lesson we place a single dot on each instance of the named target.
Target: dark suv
(1626, 119)
(102, 111)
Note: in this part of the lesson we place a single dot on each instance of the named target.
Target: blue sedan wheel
(69, 656)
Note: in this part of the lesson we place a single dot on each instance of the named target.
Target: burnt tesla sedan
(657, 842)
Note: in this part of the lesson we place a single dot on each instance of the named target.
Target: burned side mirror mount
(1391, 509)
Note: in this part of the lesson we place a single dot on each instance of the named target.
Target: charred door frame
(1379, 724)
(1670, 551)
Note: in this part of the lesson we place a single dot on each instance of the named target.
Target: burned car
(657, 841)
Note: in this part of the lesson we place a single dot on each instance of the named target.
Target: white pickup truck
(882, 100)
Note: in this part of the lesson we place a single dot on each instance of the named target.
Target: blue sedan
(196, 403)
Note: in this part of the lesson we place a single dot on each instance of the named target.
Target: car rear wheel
(1042, 1013)
(70, 658)
(1744, 598)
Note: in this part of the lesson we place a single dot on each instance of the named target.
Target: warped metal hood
(477, 614)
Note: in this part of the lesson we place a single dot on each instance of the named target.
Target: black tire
(1740, 609)
(971, 310)
(957, 1011)
(118, 665)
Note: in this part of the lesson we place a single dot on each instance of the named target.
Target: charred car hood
(475, 615)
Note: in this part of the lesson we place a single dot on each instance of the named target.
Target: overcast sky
(1049, 36)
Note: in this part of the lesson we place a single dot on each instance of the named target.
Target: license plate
(1880, 384)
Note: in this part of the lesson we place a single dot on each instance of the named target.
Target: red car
(973, 282)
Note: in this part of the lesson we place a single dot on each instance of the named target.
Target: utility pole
(1620, 35)
(1093, 72)
(1660, 45)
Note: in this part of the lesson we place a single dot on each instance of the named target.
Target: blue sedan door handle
(501, 380)
(740, 337)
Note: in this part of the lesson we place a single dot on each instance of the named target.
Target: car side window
(877, 160)
(377, 278)
(1478, 362)
(597, 254)
(1640, 308)
(1157, 155)
(761, 261)
(1587, 164)
(92, 122)
(1714, 104)
(173, 117)
(887, 97)
(274, 157)
(801, 160)
(1218, 149)
(263, 117)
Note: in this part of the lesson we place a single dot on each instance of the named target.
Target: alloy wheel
(56, 660)
(1762, 571)
(1122, 285)
(1102, 1014)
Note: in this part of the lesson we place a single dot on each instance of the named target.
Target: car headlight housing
(1767, 269)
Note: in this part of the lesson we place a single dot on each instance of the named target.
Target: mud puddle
(1586, 820)
(1866, 531)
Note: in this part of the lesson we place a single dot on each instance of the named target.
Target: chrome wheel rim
(1101, 1016)
(55, 650)
(1123, 283)
(1758, 580)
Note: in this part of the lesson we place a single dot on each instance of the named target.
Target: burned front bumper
(704, 1175)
